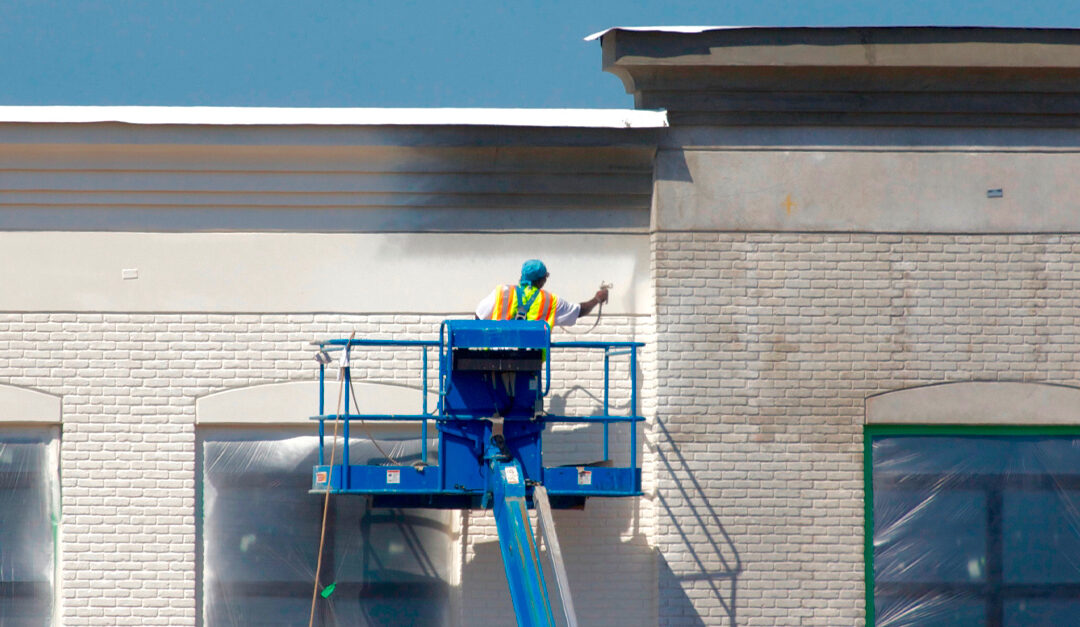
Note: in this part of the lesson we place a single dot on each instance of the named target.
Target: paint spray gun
(604, 285)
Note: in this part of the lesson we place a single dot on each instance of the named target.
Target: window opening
(260, 527)
(973, 527)
(29, 514)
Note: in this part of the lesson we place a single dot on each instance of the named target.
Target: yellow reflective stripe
(497, 309)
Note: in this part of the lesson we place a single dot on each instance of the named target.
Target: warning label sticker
(511, 474)
(584, 477)
(320, 477)
(393, 476)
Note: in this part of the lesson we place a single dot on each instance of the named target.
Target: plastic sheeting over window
(975, 531)
(261, 527)
(28, 516)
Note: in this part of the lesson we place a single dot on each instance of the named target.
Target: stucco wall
(307, 272)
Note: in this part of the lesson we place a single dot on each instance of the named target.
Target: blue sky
(393, 53)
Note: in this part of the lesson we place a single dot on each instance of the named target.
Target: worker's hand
(601, 296)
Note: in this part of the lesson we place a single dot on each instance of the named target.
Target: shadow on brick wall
(676, 608)
(575, 444)
(610, 566)
(704, 575)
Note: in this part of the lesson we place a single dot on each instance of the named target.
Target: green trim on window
(872, 431)
(868, 526)
(978, 430)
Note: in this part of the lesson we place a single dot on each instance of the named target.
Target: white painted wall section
(283, 272)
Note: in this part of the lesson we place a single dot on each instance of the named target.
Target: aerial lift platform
(490, 421)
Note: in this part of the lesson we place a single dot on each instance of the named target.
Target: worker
(504, 302)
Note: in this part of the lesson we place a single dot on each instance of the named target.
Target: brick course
(128, 384)
(768, 345)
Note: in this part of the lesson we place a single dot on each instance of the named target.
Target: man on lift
(528, 301)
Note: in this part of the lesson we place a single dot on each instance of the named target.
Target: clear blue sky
(390, 53)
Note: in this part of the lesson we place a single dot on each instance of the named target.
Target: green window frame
(996, 589)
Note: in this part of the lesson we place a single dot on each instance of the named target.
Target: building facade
(846, 249)
(864, 249)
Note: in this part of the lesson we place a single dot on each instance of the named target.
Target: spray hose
(599, 313)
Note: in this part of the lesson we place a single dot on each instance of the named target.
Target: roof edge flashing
(348, 117)
(746, 27)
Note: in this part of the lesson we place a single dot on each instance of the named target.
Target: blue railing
(610, 351)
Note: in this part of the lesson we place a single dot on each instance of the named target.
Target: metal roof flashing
(693, 30)
(665, 29)
(359, 117)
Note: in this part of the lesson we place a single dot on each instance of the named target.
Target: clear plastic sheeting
(28, 517)
(975, 531)
(381, 567)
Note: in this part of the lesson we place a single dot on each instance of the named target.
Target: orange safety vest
(506, 305)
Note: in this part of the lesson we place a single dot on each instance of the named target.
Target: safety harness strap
(523, 306)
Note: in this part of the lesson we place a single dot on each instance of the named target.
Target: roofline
(691, 30)
(349, 117)
(881, 76)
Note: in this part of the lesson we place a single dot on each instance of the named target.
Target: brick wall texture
(762, 351)
(128, 385)
(768, 345)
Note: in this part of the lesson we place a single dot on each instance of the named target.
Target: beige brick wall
(768, 345)
(128, 385)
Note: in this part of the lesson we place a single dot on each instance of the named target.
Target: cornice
(880, 76)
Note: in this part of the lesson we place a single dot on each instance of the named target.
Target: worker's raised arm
(601, 296)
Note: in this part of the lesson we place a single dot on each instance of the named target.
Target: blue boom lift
(490, 420)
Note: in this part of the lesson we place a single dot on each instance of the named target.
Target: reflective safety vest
(540, 306)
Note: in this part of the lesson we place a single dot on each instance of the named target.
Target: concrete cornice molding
(994, 403)
(113, 177)
(73, 131)
(937, 76)
(881, 47)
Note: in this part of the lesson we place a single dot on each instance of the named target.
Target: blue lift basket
(493, 378)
